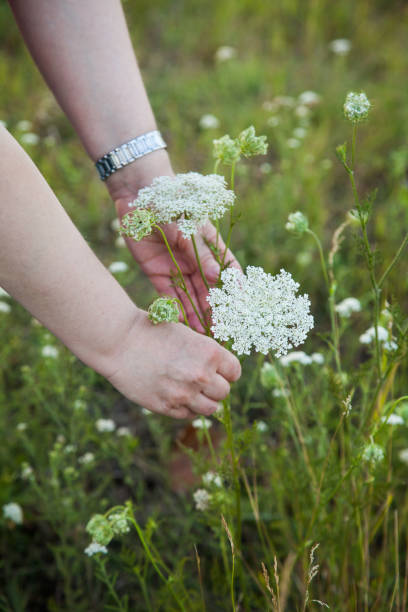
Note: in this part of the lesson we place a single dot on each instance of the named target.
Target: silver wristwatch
(128, 152)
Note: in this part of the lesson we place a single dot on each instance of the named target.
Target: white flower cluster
(13, 512)
(94, 548)
(356, 106)
(191, 199)
(348, 306)
(201, 423)
(302, 358)
(383, 336)
(202, 499)
(259, 310)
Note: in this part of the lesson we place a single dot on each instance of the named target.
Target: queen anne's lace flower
(297, 223)
(226, 150)
(94, 548)
(259, 310)
(13, 512)
(164, 310)
(190, 199)
(202, 499)
(100, 529)
(356, 106)
(348, 306)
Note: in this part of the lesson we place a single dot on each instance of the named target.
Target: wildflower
(225, 53)
(393, 419)
(340, 46)
(293, 143)
(94, 548)
(24, 125)
(209, 122)
(226, 150)
(120, 242)
(190, 199)
(49, 351)
(3, 293)
(269, 376)
(29, 138)
(356, 106)
(348, 306)
(261, 426)
(103, 425)
(280, 393)
(118, 266)
(373, 454)
(383, 336)
(79, 405)
(124, 431)
(201, 423)
(164, 310)
(202, 499)
(27, 472)
(119, 522)
(70, 448)
(21, 426)
(299, 133)
(317, 358)
(260, 310)
(4, 307)
(403, 455)
(302, 111)
(251, 144)
(115, 224)
(309, 98)
(273, 121)
(100, 529)
(86, 458)
(390, 345)
(137, 223)
(297, 223)
(13, 512)
(295, 357)
(212, 478)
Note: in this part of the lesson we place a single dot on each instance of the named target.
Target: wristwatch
(127, 153)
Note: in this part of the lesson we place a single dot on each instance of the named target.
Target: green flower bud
(100, 530)
(164, 310)
(226, 150)
(250, 144)
(297, 223)
(119, 522)
(373, 454)
(137, 223)
(356, 107)
(269, 376)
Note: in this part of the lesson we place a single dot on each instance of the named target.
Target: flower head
(209, 122)
(373, 454)
(297, 223)
(100, 529)
(119, 522)
(164, 310)
(226, 150)
(340, 46)
(137, 223)
(225, 53)
(49, 351)
(94, 548)
(191, 199)
(259, 310)
(251, 144)
(202, 499)
(269, 376)
(118, 267)
(103, 425)
(348, 306)
(13, 512)
(356, 107)
(201, 423)
(295, 357)
(211, 478)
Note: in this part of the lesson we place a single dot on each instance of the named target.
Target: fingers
(228, 365)
(201, 404)
(217, 389)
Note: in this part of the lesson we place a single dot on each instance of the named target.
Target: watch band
(127, 153)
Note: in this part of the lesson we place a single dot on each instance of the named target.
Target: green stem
(180, 303)
(234, 461)
(394, 261)
(184, 286)
(232, 583)
(199, 263)
(110, 585)
(353, 145)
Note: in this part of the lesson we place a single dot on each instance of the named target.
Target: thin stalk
(353, 145)
(199, 263)
(184, 286)
(394, 261)
(230, 444)
(180, 303)
(110, 585)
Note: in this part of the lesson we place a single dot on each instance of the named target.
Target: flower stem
(235, 474)
(199, 263)
(180, 303)
(394, 261)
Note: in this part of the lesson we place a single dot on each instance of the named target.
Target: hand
(171, 369)
(151, 253)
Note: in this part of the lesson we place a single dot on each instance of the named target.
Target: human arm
(84, 51)
(48, 267)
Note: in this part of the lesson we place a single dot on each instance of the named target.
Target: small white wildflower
(120, 242)
(3, 293)
(356, 106)
(383, 336)
(24, 125)
(103, 425)
(260, 310)
(261, 426)
(302, 111)
(86, 458)
(295, 357)
(309, 98)
(299, 133)
(280, 393)
(225, 53)
(202, 499)
(403, 455)
(79, 405)
(94, 548)
(273, 121)
(100, 529)
(346, 307)
(27, 472)
(29, 138)
(393, 419)
(70, 448)
(201, 423)
(191, 199)
(340, 46)
(373, 454)
(317, 358)
(123, 432)
(210, 478)
(390, 345)
(119, 523)
(116, 267)
(265, 168)
(209, 122)
(49, 351)
(13, 512)
(21, 426)
(115, 224)
(4, 307)
(297, 223)
(293, 143)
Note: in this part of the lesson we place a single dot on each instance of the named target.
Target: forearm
(84, 51)
(47, 266)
